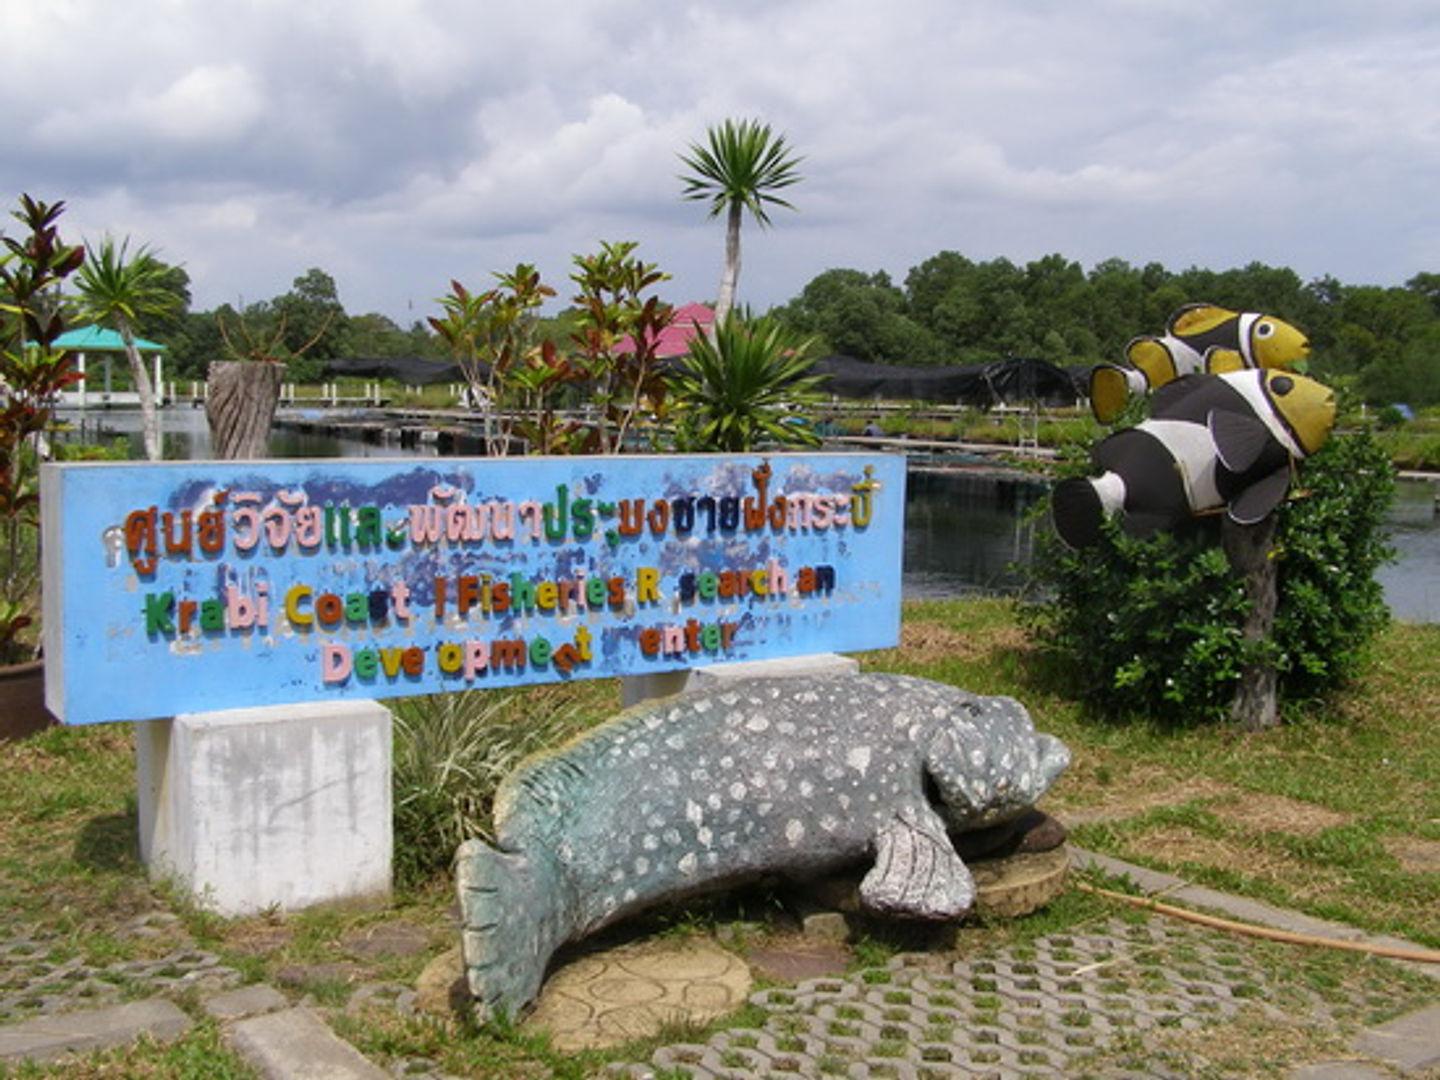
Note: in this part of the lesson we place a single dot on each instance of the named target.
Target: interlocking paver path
(33, 982)
(1056, 1007)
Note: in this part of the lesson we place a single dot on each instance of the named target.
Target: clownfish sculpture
(1199, 338)
(1212, 440)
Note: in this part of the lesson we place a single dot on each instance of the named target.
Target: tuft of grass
(451, 752)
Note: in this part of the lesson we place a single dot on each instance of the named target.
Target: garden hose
(1419, 956)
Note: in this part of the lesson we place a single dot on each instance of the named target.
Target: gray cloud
(401, 144)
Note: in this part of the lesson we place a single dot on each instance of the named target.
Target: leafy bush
(1153, 627)
(451, 752)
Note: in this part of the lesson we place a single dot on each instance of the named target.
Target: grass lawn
(1337, 815)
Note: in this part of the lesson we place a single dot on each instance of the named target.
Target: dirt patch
(928, 642)
(1276, 813)
(259, 939)
(1175, 845)
(1092, 795)
(1415, 856)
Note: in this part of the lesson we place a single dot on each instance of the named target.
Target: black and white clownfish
(1211, 441)
(1198, 338)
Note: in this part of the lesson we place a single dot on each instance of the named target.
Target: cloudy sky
(400, 143)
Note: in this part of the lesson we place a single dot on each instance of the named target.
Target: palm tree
(741, 167)
(742, 387)
(118, 292)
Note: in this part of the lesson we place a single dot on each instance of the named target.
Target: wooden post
(240, 401)
(1250, 549)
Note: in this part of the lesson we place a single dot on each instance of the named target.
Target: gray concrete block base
(282, 806)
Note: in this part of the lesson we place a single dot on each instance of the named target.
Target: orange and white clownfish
(1211, 441)
(1198, 338)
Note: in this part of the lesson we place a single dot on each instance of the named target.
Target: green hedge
(1153, 627)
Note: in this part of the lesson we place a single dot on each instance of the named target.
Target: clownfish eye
(1264, 329)
(1281, 385)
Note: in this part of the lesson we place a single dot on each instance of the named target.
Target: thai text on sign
(184, 588)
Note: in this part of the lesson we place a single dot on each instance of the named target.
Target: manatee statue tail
(512, 922)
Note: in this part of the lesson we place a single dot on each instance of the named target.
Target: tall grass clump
(451, 752)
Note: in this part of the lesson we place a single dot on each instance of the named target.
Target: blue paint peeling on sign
(202, 586)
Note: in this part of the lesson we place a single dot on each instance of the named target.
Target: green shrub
(1153, 627)
(1389, 418)
(451, 752)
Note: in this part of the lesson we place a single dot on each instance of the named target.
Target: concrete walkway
(1129, 995)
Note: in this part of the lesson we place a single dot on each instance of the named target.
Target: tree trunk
(240, 401)
(730, 278)
(149, 416)
(1250, 549)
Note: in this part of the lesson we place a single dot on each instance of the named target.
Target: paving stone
(1411, 1042)
(826, 926)
(1341, 1070)
(610, 997)
(441, 989)
(246, 1001)
(47, 1038)
(796, 962)
(296, 1044)
(387, 940)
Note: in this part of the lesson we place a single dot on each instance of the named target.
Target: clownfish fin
(1261, 498)
(1218, 361)
(1168, 396)
(1239, 439)
(1109, 391)
(1153, 359)
(1195, 319)
(1077, 512)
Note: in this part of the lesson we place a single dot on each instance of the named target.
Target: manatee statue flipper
(917, 873)
(511, 926)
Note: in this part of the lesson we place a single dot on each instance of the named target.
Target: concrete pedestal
(637, 688)
(277, 807)
(815, 664)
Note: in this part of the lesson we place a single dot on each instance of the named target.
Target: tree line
(1380, 343)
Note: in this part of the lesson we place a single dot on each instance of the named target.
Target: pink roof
(675, 338)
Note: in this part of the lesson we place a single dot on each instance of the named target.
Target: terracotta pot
(22, 700)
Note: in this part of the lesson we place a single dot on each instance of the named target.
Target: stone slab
(1341, 1070)
(1149, 881)
(279, 807)
(441, 989)
(297, 1045)
(816, 664)
(48, 1038)
(634, 991)
(245, 1001)
(1411, 1042)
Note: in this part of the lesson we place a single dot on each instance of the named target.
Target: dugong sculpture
(795, 777)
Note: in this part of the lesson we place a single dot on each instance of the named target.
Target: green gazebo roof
(98, 339)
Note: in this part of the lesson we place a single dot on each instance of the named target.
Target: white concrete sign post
(282, 806)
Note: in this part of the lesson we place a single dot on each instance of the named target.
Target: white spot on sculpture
(794, 832)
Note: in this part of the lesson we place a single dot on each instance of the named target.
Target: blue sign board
(201, 586)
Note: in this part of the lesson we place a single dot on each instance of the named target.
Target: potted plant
(33, 372)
